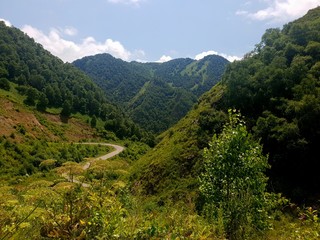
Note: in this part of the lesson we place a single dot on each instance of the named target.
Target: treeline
(47, 82)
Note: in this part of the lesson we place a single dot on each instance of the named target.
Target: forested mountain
(46, 82)
(276, 87)
(206, 177)
(156, 95)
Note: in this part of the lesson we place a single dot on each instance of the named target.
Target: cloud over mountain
(211, 52)
(6, 22)
(69, 51)
(281, 10)
(164, 58)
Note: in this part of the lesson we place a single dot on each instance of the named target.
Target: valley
(103, 148)
(154, 95)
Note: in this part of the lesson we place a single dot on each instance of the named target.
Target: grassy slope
(172, 166)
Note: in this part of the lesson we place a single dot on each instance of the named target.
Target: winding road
(117, 149)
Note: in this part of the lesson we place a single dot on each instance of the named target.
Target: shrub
(234, 182)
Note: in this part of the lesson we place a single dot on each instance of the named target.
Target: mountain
(276, 87)
(44, 82)
(155, 95)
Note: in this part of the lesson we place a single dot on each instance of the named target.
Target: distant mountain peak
(183, 79)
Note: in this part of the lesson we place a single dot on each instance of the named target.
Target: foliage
(301, 224)
(233, 181)
(47, 82)
(44, 206)
(155, 95)
(4, 84)
(276, 87)
(32, 156)
(37, 208)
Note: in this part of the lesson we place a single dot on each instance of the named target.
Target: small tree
(32, 95)
(42, 103)
(234, 182)
(93, 122)
(66, 109)
(4, 84)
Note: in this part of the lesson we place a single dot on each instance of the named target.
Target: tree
(4, 84)
(66, 109)
(93, 122)
(32, 95)
(42, 103)
(233, 182)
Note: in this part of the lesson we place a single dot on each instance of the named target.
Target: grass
(119, 210)
(13, 94)
(55, 111)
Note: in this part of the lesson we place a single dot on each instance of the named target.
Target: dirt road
(117, 149)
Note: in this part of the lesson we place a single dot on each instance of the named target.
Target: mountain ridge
(41, 81)
(129, 85)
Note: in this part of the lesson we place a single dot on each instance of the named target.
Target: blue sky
(150, 30)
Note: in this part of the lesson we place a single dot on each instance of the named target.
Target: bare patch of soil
(19, 122)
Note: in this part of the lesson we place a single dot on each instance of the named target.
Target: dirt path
(117, 149)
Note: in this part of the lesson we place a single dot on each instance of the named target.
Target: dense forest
(276, 88)
(155, 95)
(47, 82)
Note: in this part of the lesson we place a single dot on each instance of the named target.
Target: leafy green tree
(32, 95)
(234, 182)
(93, 121)
(4, 84)
(42, 103)
(66, 109)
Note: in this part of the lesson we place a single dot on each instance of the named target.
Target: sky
(150, 30)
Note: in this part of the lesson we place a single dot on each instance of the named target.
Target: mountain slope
(276, 87)
(20, 122)
(44, 81)
(157, 106)
(131, 85)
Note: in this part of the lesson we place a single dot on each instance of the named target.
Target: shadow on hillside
(64, 119)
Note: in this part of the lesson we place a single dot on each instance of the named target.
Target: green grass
(55, 111)
(112, 208)
(13, 94)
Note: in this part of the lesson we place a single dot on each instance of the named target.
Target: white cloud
(6, 22)
(69, 51)
(139, 56)
(211, 52)
(282, 10)
(164, 58)
(70, 31)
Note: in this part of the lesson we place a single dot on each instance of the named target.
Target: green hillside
(276, 87)
(44, 82)
(241, 164)
(155, 95)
